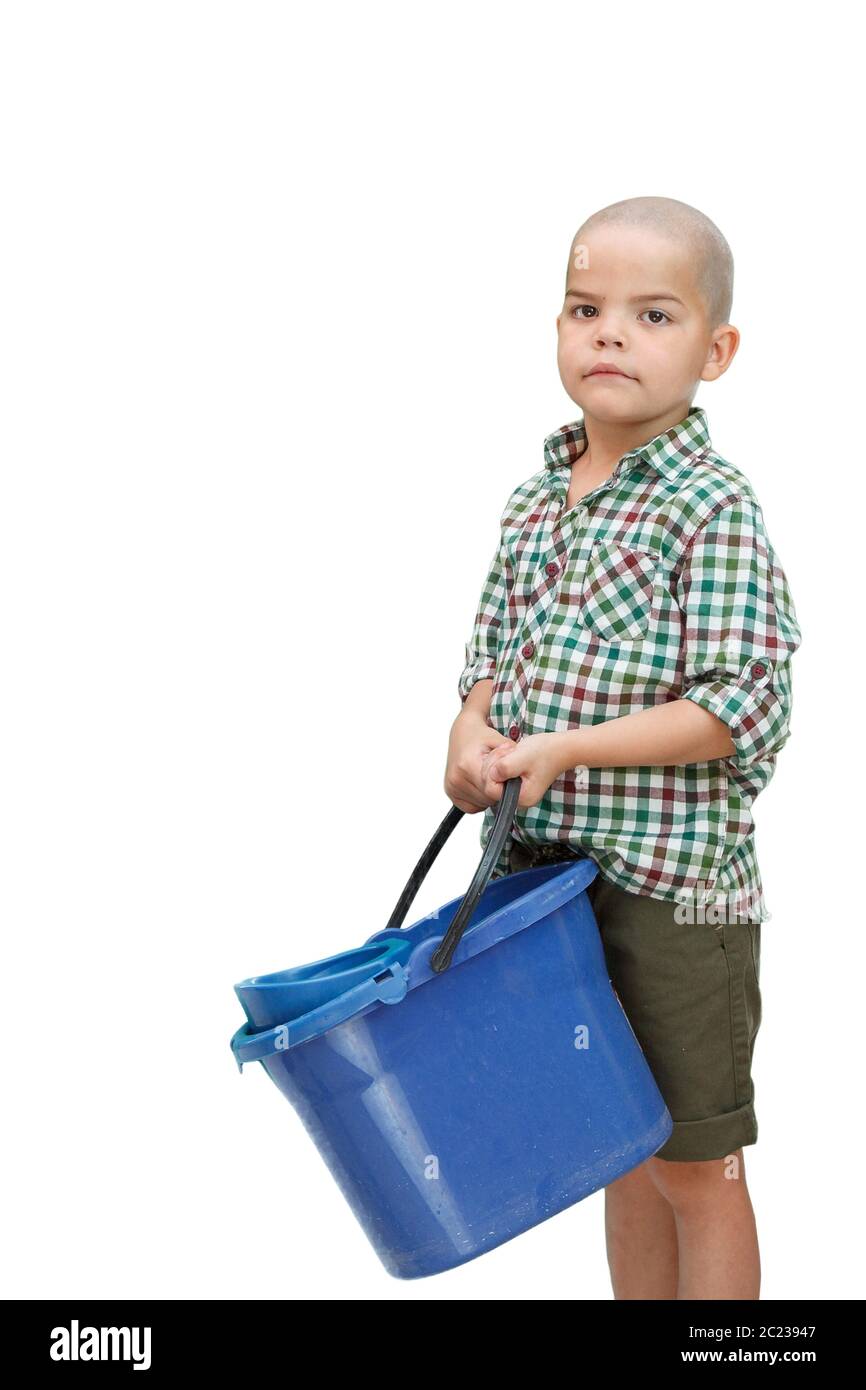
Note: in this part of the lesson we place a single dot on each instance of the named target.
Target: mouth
(610, 372)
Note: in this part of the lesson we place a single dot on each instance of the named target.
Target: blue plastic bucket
(462, 1095)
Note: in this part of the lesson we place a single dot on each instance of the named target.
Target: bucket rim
(548, 888)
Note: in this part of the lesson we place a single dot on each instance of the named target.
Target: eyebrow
(636, 299)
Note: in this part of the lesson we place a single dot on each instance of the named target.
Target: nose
(607, 331)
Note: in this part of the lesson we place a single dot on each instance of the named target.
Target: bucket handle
(441, 958)
(390, 986)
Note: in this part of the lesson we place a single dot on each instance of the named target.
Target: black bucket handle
(441, 958)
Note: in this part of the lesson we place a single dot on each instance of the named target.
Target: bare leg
(716, 1236)
(641, 1238)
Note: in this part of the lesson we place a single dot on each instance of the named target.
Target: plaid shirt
(660, 583)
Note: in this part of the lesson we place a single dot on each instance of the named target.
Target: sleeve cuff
(482, 670)
(755, 716)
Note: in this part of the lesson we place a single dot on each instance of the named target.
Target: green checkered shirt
(660, 583)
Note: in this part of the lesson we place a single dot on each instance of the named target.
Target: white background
(279, 289)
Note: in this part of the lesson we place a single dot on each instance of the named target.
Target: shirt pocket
(617, 595)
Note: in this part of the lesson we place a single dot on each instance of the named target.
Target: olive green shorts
(690, 990)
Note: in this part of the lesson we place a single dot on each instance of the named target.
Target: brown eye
(579, 307)
(660, 312)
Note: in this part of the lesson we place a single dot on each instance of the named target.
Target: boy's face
(615, 312)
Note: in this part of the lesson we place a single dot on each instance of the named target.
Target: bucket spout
(268, 1000)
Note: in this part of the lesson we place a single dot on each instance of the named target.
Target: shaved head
(708, 253)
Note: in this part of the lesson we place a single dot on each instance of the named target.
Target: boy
(630, 662)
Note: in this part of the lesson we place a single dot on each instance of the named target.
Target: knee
(630, 1195)
(688, 1185)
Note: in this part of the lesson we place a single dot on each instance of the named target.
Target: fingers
(468, 783)
(467, 793)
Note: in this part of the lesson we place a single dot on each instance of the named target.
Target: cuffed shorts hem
(693, 1141)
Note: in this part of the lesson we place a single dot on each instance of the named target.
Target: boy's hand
(471, 740)
(537, 759)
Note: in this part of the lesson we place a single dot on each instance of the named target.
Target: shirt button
(514, 732)
(552, 568)
(527, 649)
(758, 670)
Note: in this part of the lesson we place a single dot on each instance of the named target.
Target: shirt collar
(670, 452)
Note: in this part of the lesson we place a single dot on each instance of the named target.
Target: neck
(607, 441)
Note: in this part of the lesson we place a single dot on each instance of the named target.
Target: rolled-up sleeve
(483, 647)
(740, 631)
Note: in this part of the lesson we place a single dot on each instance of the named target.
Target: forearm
(477, 702)
(675, 733)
